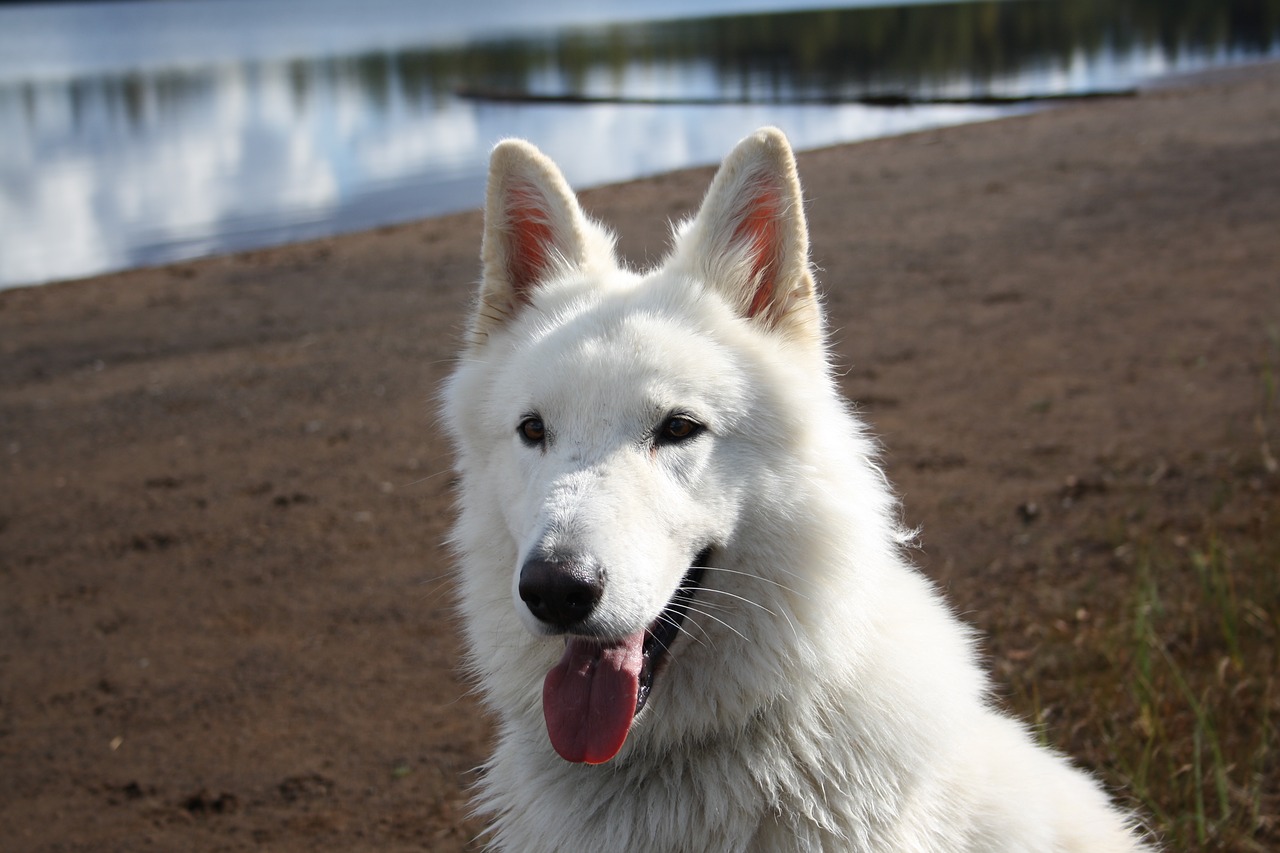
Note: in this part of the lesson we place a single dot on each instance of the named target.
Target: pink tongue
(589, 697)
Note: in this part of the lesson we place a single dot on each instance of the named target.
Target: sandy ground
(225, 616)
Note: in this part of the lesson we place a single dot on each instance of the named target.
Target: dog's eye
(678, 428)
(532, 430)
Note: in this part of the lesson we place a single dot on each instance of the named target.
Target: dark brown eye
(678, 428)
(532, 430)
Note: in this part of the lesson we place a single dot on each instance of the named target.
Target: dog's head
(616, 431)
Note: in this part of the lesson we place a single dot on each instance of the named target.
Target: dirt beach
(225, 614)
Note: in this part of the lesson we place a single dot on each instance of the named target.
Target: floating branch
(888, 99)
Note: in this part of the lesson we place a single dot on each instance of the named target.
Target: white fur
(821, 696)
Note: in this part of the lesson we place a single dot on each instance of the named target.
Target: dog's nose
(560, 592)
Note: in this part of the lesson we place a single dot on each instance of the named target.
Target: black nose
(560, 592)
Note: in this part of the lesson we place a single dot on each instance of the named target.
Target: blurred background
(136, 133)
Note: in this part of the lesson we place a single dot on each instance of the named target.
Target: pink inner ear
(759, 229)
(531, 239)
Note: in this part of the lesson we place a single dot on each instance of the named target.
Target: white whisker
(775, 615)
(757, 577)
(426, 478)
(741, 598)
(705, 613)
(666, 618)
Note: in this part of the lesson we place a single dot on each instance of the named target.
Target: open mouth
(662, 633)
(591, 697)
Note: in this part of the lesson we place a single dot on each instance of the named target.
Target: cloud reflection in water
(106, 168)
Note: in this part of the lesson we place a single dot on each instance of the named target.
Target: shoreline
(221, 533)
(1015, 105)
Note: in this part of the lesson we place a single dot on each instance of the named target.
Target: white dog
(682, 580)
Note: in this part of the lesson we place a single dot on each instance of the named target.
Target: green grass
(1163, 676)
(1203, 687)
(1171, 694)
(1167, 684)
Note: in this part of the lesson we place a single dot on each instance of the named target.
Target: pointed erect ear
(749, 239)
(533, 229)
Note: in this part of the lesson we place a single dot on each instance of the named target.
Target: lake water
(144, 132)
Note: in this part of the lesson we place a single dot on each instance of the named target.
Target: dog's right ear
(749, 239)
(534, 229)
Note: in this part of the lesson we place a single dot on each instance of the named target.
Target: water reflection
(107, 170)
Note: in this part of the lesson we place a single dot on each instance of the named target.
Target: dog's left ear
(749, 239)
(534, 229)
